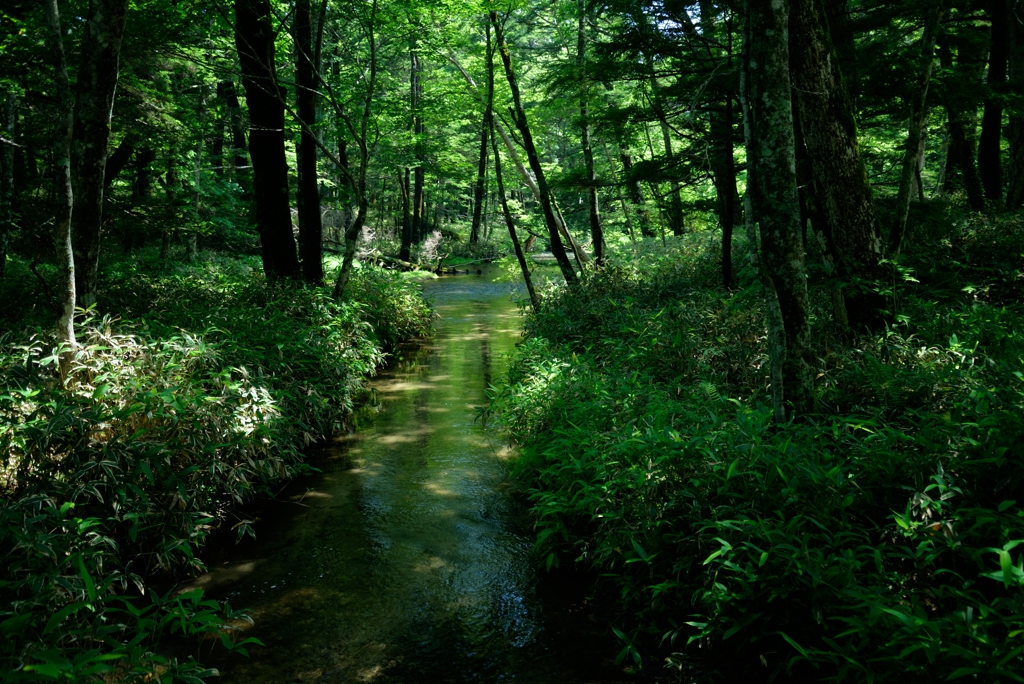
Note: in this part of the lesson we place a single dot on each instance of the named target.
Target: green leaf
(90, 586)
(793, 643)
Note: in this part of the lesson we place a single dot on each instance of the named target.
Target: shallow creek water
(406, 560)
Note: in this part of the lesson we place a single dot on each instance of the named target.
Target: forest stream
(406, 559)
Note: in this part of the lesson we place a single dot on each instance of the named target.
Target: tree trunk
(619, 195)
(596, 234)
(7, 178)
(962, 121)
(119, 159)
(918, 124)
(777, 206)
(990, 167)
(192, 236)
(405, 252)
(64, 192)
(170, 192)
(724, 173)
(841, 183)
(636, 194)
(1015, 189)
(94, 101)
(308, 191)
(254, 40)
(226, 89)
(416, 92)
(675, 204)
(481, 169)
(519, 118)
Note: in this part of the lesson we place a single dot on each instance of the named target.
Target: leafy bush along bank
(168, 422)
(875, 541)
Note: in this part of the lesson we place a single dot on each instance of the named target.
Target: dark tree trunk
(170, 191)
(62, 182)
(254, 39)
(841, 184)
(481, 170)
(963, 140)
(837, 13)
(308, 191)
(132, 235)
(724, 171)
(94, 101)
(675, 203)
(636, 194)
(596, 234)
(143, 173)
(918, 122)
(1015, 188)
(239, 149)
(7, 191)
(416, 91)
(119, 159)
(531, 152)
(990, 166)
(405, 253)
(778, 207)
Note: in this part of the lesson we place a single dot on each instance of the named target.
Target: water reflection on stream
(404, 561)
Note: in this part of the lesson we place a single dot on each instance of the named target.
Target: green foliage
(165, 423)
(877, 541)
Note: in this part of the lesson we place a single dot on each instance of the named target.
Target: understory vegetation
(877, 538)
(198, 391)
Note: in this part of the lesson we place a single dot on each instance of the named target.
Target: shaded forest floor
(873, 540)
(196, 387)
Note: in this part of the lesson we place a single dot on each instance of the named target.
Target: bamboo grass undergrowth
(200, 388)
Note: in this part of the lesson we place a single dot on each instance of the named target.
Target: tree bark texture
(308, 190)
(778, 207)
(62, 182)
(596, 233)
(773, 316)
(94, 101)
(841, 183)
(990, 165)
(521, 123)
(254, 40)
(918, 124)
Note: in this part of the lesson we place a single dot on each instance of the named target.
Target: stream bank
(406, 559)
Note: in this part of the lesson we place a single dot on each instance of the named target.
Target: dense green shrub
(166, 423)
(877, 540)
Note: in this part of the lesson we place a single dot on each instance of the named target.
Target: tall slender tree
(64, 191)
(308, 190)
(990, 164)
(596, 233)
(254, 40)
(94, 102)
(777, 207)
(521, 123)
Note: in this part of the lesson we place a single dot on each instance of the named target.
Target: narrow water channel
(406, 560)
